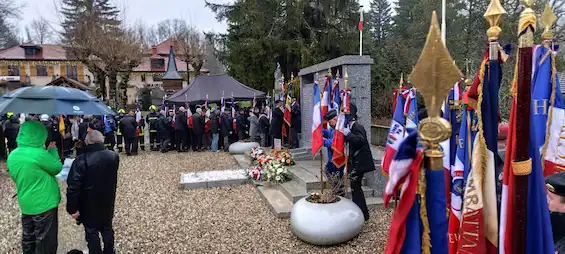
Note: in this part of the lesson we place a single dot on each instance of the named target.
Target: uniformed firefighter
(119, 137)
(153, 120)
(141, 133)
(110, 128)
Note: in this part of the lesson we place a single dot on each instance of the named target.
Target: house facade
(40, 64)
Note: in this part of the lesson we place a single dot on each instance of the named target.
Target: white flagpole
(361, 21)
(443, 25)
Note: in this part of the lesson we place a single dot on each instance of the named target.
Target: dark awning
(214, 86)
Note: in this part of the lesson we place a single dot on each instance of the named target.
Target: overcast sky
(148, 11)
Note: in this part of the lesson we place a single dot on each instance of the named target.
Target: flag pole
(522, 164)
(361, 21)
(321, 157)
(345, 111)
(289, 93)
(443, 25)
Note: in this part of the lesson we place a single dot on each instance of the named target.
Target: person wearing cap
(110, 128)
(153, 120)
(198, 123)
(119, 136)
(128, 127)
(360, 158)
(336, 173)
(556, 203)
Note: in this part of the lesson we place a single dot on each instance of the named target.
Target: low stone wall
(379, 135)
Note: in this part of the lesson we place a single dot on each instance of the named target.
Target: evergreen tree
(379, 20)
(88, 18)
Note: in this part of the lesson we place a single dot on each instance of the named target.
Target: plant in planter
(326, 218)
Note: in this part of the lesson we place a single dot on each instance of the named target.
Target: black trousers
(196, 142)
(120, 141)
(131, 145)
(181, 139)
(165, 144)
(293, 138)
(109, 140)
(39, 232)
(154, 139)
(92, 236)
(141, 139)
(355, 179)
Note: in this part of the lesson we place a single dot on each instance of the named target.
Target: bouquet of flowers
(255, 173)
(275, 172)
(263, 159)
(256, 152)
(284, 158)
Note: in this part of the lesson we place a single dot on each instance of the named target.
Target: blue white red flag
(317, 137)
(538, 227)
(339, 157)
(325, 100)
(233, 114)
(395, 134)
(449, 109)
(405, 230)
(480, 218)
(411, 107)
(335, 96)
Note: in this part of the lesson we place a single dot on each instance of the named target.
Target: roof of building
(46, 52)
(172, 73)
(163, 47)
(145, 65)
(67, 82)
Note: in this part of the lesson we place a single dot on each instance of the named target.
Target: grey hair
(94, 137)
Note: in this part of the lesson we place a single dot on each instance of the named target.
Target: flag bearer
(141, 133)
(153, 120)
(110, 128)
(556, 201)
(119, 137)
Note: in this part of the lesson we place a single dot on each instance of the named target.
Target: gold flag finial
(345, 79)
(434, 75)
(329, 72)
(526, 25)
(493, 15)
(401, 80)
(337, 74)
(548, 18)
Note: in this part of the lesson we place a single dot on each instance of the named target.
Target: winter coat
(49, 127)
(253, 125)
(75, 129)
(92, 185)
(263, 124)
(328, 135)
(295, 121)
(181, 121)
(240, 124)
(33, 169)
(214, 123)
(12, 127)
(164, 127)
(276, 123)
(97, 124)
(83, 129)
(197, 124)
(360, 157)
(226, 127)
(128, 127)
(153, 120)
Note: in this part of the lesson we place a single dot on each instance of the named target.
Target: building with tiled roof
(40, 64)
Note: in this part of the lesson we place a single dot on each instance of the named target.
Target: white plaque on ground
(208, 179)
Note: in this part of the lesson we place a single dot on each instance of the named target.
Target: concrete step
(374, 202)
(314, 169)
(294, 190)
(306, 179)
(244, 161)
(276, 201)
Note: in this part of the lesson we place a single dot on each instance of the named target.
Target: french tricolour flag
(395, 134)
(449, 145)
(317, 138)
(325, 101)
(338, 143)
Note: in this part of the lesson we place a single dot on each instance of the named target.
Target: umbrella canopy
(214, 86)
(52, 100)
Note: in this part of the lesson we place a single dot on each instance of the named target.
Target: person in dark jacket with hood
(11, 129)
(226, 127)
(240, 124)
(165, 128)
(264, 127)
(296, 123)
(360, 158)
(128, 127)
(91, 192)
(214, 129)
(181, 130)
(277, 121)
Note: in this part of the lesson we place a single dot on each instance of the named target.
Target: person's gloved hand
(346, 131)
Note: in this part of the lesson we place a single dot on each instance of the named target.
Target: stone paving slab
(210, 179)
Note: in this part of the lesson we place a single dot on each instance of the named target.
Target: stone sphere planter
(326, 224)
(242, 147)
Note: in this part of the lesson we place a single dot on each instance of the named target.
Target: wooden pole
(322, 171)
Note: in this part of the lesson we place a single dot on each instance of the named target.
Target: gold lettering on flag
(537, 107)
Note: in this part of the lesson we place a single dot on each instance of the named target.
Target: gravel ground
(153, 215)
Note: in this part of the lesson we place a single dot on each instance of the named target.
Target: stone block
(209, 179)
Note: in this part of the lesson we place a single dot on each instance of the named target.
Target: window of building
(157, 63)
(41, 70)
(157, 77)
(72, 72)
(142, 77)
(29, 51)
(13, 70)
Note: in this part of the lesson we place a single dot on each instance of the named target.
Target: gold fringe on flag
(426, 240)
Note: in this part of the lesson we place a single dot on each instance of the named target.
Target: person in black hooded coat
(360, 159)
(12, 128)
(276, 122)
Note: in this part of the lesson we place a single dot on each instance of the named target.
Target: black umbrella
(52, 100)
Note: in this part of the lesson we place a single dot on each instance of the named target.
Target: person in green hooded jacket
(33, 168)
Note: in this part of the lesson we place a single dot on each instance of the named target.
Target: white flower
(279, 170)
(278, 178)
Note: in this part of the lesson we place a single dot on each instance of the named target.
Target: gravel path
(154, 216)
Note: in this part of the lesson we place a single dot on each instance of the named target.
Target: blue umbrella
(52, 100)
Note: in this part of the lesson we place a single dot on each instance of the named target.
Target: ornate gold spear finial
(527, 25)
(345, 79)
(434, 75)
(401, 80)
(548, 18)
(337, 74)
(329, 72)
(493, 15)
